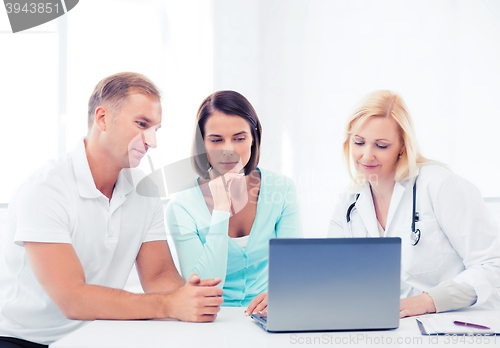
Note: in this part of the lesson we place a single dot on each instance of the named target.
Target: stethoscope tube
(349, 210)
(415, 233)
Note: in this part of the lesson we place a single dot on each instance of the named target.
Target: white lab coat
(459, 240)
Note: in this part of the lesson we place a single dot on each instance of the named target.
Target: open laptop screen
(334, 284)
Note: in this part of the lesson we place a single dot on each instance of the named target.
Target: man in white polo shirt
(77, 226)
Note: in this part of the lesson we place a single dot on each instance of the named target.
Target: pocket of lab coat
(427, 255)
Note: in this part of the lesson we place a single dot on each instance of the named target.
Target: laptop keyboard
(261, 319)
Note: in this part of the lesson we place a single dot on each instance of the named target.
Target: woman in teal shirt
(222, 226)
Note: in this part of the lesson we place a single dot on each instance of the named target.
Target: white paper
(443, 324)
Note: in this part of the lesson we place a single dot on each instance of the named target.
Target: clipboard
(443, 324)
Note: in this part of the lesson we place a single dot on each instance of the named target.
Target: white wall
(302, 64)
(49, 72)
(313, 60)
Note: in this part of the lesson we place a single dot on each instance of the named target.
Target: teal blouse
(204, 247)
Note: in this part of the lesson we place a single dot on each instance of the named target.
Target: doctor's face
(375, 148)
(228, 142)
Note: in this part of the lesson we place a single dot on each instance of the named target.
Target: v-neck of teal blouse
(204, 247)
(233, 244)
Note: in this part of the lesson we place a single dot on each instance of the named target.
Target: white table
(233, 329)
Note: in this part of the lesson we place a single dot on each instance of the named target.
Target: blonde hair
(384, 103)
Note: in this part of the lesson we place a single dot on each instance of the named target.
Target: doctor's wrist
(428, 302)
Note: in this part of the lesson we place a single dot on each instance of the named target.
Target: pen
(475, 326)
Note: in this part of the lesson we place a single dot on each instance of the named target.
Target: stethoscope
(415, 233)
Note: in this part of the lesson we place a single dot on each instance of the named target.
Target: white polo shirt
(60, 204)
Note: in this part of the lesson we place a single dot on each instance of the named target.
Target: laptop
(332, 284)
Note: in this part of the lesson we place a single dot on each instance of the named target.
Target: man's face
(132, 131)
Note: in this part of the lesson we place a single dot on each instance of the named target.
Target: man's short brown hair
(114, 90)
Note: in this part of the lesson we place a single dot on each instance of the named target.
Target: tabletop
(233, 328)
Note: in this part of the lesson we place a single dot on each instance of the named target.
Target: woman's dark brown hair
(233, 104)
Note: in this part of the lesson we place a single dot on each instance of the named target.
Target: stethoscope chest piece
(415, 237)
(415, 232)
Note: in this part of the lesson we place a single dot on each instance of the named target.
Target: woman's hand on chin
(220, 188)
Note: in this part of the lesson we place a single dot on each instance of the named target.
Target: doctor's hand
(258, 305)
(416, 305)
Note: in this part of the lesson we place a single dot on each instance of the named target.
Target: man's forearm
(60, 273)
(164, 282)
(198, 301)
(90, 302)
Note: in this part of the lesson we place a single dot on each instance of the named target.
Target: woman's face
(375, 148)
(228, 141)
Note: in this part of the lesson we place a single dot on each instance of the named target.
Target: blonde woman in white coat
(451, 257)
